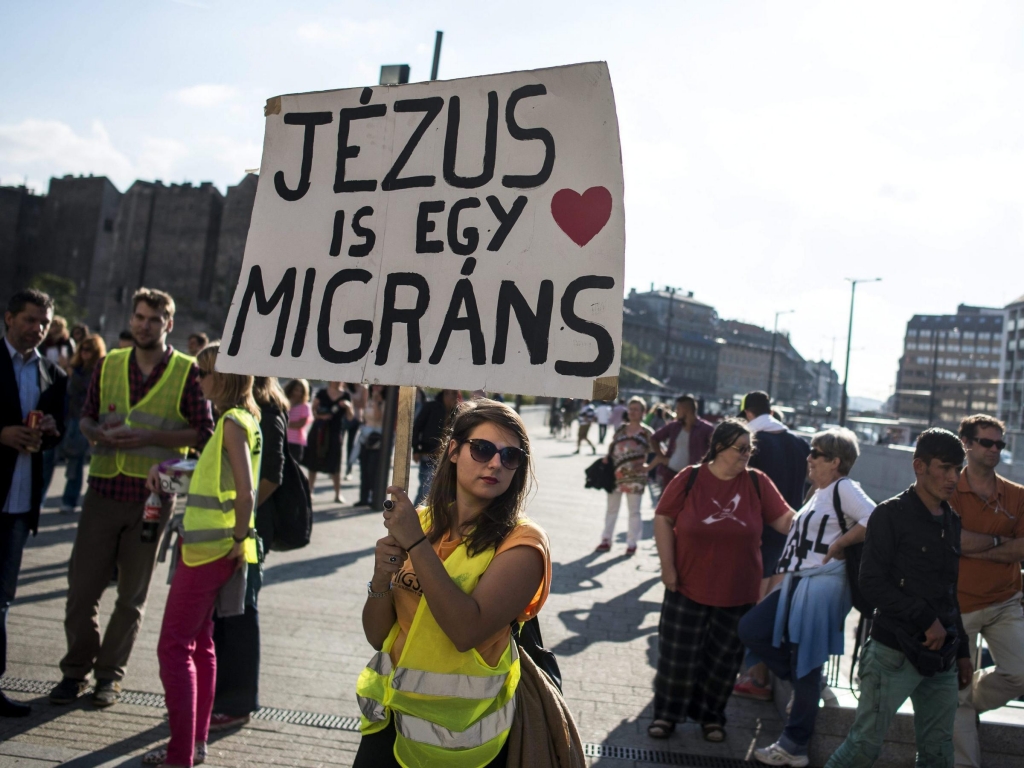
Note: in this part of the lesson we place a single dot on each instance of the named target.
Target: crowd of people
(764, 544)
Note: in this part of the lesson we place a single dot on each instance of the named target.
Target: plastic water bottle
(151, 518)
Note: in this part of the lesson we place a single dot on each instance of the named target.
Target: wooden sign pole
(403, 436)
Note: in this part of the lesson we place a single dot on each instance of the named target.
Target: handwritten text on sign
(465, 234)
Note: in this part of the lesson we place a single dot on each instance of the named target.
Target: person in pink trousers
(216, 542)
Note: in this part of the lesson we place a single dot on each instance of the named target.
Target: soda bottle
(151, 518)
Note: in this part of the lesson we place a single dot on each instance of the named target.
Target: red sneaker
(604, 546)
(749, 689)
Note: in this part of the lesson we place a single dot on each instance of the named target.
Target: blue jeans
(13, 535)
(756, 630)
(886, 680)
(237, 640)
(74, 442)
(427, 468)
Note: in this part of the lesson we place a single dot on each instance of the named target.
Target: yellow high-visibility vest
(159, 409)
(210, 509)
(450, 709)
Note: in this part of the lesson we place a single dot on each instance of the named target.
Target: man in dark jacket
(28, 382)
(427, 431)
(909, 573)
(783, 457)
(687, 438)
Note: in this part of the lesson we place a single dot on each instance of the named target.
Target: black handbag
(601, 475)
(530, 641)
(925, 660)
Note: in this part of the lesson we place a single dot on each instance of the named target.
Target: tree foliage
(63, 292)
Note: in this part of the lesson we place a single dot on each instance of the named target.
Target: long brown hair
(267, 391)
(93, 343)
(230, 390)
(501, 516)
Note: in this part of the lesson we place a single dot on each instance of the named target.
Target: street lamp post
(668, 331)
(849, 339)
(771, 360)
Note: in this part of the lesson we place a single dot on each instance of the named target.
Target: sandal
(713, 732)
(158, 756)
(660, 729)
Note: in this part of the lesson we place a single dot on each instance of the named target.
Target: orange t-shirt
(405, 588)
(982, 582)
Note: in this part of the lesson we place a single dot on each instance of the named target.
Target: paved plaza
(601, 621)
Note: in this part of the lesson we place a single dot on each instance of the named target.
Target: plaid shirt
(194, 407)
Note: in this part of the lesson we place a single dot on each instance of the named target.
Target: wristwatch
(371, 593)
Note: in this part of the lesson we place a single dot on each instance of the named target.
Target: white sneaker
(776, 755)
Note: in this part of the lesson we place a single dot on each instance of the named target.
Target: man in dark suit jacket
(28, 382)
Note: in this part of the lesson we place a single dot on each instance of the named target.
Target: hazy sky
(770, 149)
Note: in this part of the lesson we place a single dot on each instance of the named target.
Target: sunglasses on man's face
(984, 442)
(484, 450)
(816, 454)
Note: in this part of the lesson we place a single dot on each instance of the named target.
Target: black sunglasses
(984, 442)
(816, 454)
(484, 450)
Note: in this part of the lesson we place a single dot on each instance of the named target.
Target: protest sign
(465, 234)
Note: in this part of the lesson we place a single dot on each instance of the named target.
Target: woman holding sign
(447, 584)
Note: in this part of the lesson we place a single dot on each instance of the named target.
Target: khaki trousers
(109, 535)
(1002, 626)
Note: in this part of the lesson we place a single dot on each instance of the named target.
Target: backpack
(853, 554)
(291, 519)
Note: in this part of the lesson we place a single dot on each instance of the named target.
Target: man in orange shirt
(991, 509)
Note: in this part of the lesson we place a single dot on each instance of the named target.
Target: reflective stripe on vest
(209, 519)
(458, 686)
(478, 734)
(160, 409)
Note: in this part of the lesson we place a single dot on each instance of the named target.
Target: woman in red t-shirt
(708, 532)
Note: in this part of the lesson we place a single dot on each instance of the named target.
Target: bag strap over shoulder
(838, 507)
(756, 481)
(690, 481)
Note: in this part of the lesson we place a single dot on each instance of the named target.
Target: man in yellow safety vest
(144, 405)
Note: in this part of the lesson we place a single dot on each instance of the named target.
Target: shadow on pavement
(312, 569)
(616, 621)
(581, 574)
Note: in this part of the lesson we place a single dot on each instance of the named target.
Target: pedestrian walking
(627, 452)
(707, 528)
(144, 404)
(217, 543)
(58, 346)
(585, 418)
(300, 417)
(237, 638)
(331, 408)
(681, 442)
(125, 340)
(603, 412)
(658, 416)
(79, 333)
(368, 444)
(783, 457)
(441, 689)
(197, 342)
(357, 394)
(918, 647)
(427, 433)
(75, 446)
(799, 625)
(32, 392)
(991, 510)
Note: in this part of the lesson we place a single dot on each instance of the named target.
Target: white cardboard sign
(466, 234)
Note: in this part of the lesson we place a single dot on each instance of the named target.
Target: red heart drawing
(581, 216)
